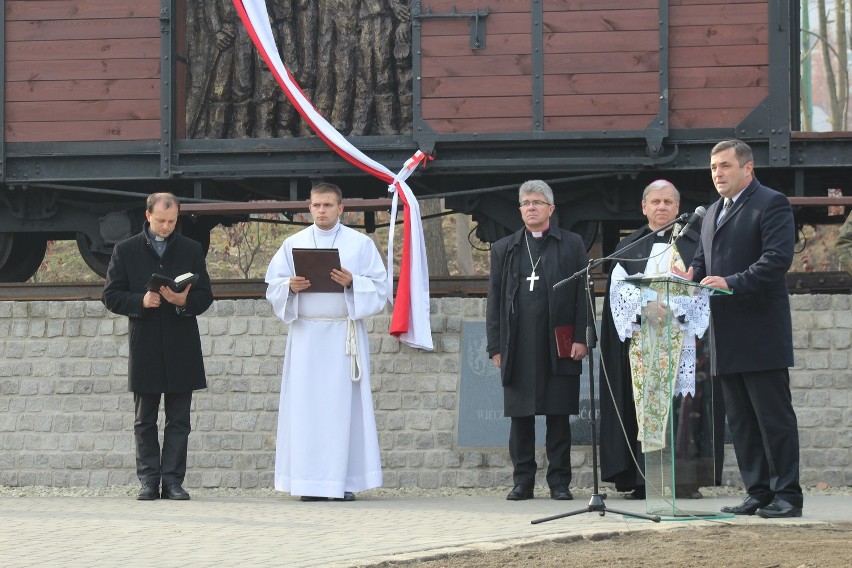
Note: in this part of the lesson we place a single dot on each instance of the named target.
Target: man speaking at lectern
(747, 247)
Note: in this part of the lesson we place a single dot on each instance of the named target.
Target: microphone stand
(597, 262)
(597, 502)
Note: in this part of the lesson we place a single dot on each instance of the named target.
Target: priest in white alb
(327, 445)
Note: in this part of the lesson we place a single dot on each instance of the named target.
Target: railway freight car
(105, 101)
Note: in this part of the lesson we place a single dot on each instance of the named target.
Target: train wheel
(96, 260)
(21, 254)
(5, 247)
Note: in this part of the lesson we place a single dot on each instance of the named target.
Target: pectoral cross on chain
(532, 278)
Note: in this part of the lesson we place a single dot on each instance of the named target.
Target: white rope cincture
(351, 346)
(352, 351)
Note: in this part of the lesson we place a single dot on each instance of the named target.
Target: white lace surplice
(689, 317)
(692, 313)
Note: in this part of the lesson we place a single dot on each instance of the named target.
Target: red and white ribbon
(410, 320)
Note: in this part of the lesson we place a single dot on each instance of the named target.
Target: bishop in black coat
(522, 313)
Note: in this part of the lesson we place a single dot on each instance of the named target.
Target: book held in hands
(177, 284)
(316, 265)
(564, 340)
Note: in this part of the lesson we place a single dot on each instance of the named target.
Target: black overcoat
(753, 249)
(615, 389)
(567, 305)
(165, 347)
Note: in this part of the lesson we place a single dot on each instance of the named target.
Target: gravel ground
(768, 546)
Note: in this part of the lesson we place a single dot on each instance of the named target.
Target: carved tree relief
(352, 59)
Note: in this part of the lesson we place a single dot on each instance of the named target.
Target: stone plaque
(481, 421)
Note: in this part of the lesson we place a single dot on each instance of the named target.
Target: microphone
(699, 213)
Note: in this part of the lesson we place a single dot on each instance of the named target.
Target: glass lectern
(673, 392)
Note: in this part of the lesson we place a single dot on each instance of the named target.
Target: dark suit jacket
(165, 347)
(752, 249)
(567, 304)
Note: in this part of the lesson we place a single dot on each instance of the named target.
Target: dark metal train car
(105, 101)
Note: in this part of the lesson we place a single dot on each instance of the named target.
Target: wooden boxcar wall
(718, 61)
(89, 70)
(82, 70)
(601, 65)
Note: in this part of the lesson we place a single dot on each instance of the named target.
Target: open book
(669, 277)
(177, 284)
(663, 276)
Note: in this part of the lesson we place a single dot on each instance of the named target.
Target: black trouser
(557, 444)
(765, 433)
(168, 466)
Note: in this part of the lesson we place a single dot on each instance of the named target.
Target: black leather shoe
(175, 491)
(636, 495)
(561, 493)
(779, 509)
(747, 507)
(520, 493)
(347, 496)
(308, 498)
(149, 492)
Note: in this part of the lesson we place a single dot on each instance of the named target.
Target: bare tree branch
(842, 63)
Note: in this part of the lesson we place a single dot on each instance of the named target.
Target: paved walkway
(282, 531)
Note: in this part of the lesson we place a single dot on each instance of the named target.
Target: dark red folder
(564, 340)
(316, 265)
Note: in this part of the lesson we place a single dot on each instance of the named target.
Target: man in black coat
(525, 316)
(165, 347)
(747, 247)
(622, 461)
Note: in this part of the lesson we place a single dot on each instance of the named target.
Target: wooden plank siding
(80, 9)
(718, 60)
(487, 90)
(601, 64)
(34, 30)
(82, 70)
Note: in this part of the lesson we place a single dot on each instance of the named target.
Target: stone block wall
(821, 384)
(66, 418)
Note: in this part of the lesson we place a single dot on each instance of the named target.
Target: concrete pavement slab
(282, 531)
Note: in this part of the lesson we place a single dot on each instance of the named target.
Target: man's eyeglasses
(535, 203)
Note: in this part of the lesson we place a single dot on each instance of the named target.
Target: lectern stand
(674, 405)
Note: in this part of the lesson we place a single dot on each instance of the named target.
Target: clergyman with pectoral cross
(536, 336)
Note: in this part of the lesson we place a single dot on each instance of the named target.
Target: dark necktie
(728, 203)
